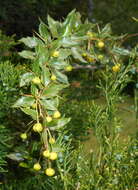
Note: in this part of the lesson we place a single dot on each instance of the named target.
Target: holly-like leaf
(27, 54)
(58, 64)
(15, 156)
(45, 75)
(60, 123)
(77, 55)
(43, 30)
(30, 112)
(53, 89)
(53, 26)
(106, 30)
(31, 42)
(64, 53)
(61, 77)
(50, 104)
(43, 54)
(24, 101)
(26, 78)
(121, 51)
(68, 42)
(68, 24)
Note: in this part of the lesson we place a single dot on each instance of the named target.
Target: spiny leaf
(43, 30)
(26, 78)
(31, 42)
(30, 112)
(53, 89)
(27, 54)
(50, 104)
(61, 77)
(77, 55)
(24, 101)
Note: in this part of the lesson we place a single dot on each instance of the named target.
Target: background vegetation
(20, 19)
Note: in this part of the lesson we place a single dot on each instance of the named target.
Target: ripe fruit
(50, 171)
(46, 153)
(100, 57)
(23, 136)
(55, 54)
(57, 114)
(36, 80)
(100, 44)
(23, 164)
(53, 156)
(38, 127)
(53, 77)
(52, 140)
(69, 68)
(90, 34)
(90, 59)
(116, 68)
(48, 119)
(84, 54)
(34, 106)
(37, 167)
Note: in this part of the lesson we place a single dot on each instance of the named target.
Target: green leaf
(64, 53)
(52, 26)
(43, 54)
(15, 156)
(50, 104)
(43, 30)
(30, 112)
(24, 165)
(121, 51)
(34, 90)
(61, 77)
(58, 64)
(26, 78)
(77, 55)
(107, 29)
(68, 24)
(53, 90)
(24, 101)
(68, 42)
(60, 123)
(45, 75)
(84, 28)
(31, 42)
(27, 54)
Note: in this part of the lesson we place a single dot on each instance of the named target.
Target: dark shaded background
(22, 17)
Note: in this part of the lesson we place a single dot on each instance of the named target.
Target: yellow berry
(100, 44)
(38, 127)
(116, 68)
(50, 171)
(23, 164)
(69, 68)
(100, 57)
(53, 77)
(23, 136)
(53, 156)
(84, 54)
(34, 106)
(36, 80)
(46, 153)
(37, 167)
(90, 59)
(55, 54)
(57, 114)
(52, 140)
(90, 34)
(48, 119)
